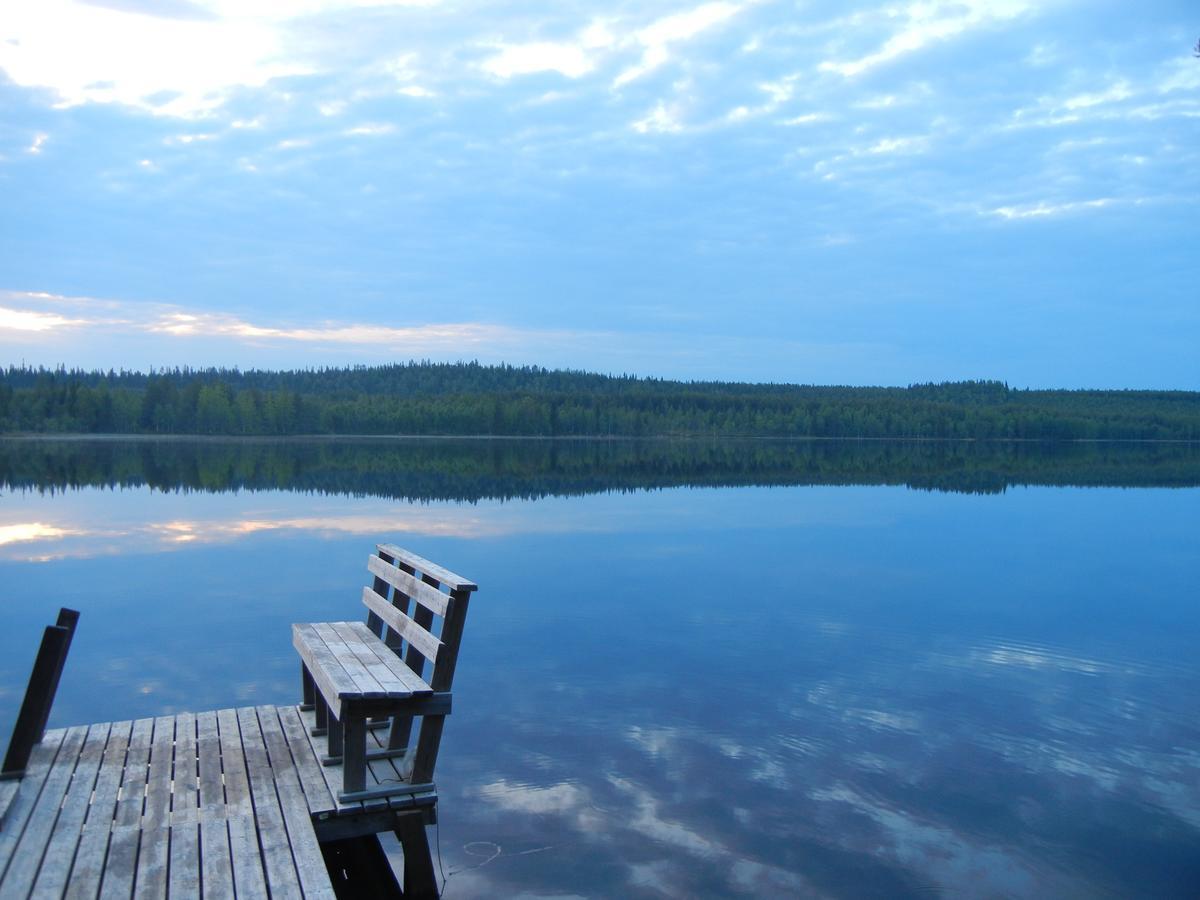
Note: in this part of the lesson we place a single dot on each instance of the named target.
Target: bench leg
(334, 754)
(308, 689)
(321, 715)
(400, 732)
(419, 880)
(354, 753)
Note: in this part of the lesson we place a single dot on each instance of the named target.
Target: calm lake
(764, 669)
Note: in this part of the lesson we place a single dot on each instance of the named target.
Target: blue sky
(820, 192)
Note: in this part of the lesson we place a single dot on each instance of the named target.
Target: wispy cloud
(925, 23)
(28, 320)
(658, 39)
(1043, 209)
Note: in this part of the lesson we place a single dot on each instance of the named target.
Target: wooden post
(430, 737)
(308, 689)
(68, 619)
(39, 694)
(419, 880)
(335, 739)
(354, 752)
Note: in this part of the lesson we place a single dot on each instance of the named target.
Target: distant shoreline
(564, 438)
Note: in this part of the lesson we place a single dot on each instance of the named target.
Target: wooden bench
(358, 676)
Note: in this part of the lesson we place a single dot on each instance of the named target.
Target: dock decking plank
(310, 864)
(249, 878)
(88, 868)
(211, 791)
(309, 770)
(51, 880)
(185, 793)
(28, 790)
(216, 864)
(120, 865)
(30, 849)
(133, 787)
(153, 859)
(157, 811)
(184, 878)
(278, 862)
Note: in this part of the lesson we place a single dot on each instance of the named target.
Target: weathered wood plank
(417, 685)
(417, 635)
(433, 570)
(249, 879)
(68, 829)
(88, 870)
(210, 790)
(365, 684)
(157, 812)
(308, 769)
(216, 864)
(30, 849)
(120, 865)
(413, 588)
(185, 794)
(185, 860)
(277, 857)
(133, 787)
(153, 862)
(238, 797)
(388, 669)
(332, 776)
(37, 770)
(330, 679)
(8, 790)
(314, 879)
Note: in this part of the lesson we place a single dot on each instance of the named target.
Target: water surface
(691, 669)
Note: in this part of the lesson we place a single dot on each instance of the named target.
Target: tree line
(473, 399)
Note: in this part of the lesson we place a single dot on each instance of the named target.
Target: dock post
(39, 694)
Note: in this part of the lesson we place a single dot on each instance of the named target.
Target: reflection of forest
(455, 469)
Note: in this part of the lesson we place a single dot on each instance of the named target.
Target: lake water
(692, 669)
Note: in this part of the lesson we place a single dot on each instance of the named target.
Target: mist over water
(692, 669)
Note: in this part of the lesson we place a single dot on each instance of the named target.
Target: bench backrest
(418, 609)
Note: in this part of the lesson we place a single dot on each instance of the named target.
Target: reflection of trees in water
(471, 470)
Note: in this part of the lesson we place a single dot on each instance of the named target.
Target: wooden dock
(233, 802)
(246, 802)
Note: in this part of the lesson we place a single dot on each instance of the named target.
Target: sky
(807, 192)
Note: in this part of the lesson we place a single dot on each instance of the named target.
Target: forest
(425, 398)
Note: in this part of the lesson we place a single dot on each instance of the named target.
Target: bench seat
(350, 663)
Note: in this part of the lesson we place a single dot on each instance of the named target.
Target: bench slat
(361, 641)
(418, 638)
(433, 570)
(322, 666)
(412, 682)
(365, 682)
(414, 588)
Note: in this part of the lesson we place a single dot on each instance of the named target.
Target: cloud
(27, 320)
(1043, 209)
(662, 119)
(370, 129)
(569, 60)
(167, 65)
(927, 23)
(657, 38)
(31, 531)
